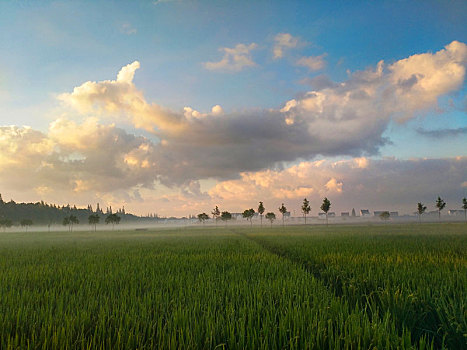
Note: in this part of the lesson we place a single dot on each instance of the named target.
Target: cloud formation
(313, 63)
(339, 119)
(234, 60)
(443, 132)
(386, 184)
(417, 81)
(75, 157)
(282, 43)
(120, 99)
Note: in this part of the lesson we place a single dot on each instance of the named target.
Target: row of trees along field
(248, 214)
(40, 213)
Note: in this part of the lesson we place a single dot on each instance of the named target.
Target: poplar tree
(305, 208)
(325, 207)
(260, 212)
(420, 210)
(440, 204)
(215, 214)
(283, 210)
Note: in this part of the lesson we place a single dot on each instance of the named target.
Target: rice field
(340, 287)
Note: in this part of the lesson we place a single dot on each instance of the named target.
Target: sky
(174, 107)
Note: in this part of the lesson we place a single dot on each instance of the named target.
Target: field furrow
(233, 288)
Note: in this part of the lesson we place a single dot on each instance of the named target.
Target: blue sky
(50, 47)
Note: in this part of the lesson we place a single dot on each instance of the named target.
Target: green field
(347, 287)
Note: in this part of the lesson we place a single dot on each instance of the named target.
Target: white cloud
(313, 63)
(191, 113)
(120, 99)
(217, 110)
(420, 79)
(334, 186)
(348, 118)
(283, 42)
(75, 157)
(234, 59)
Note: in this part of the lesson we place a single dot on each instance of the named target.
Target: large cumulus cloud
(348, 118)
(340, 119)
(74, 157)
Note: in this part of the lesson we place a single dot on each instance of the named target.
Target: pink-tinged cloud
(341, 119)
(385, 184)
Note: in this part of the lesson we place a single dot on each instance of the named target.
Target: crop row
(418, 278)
(216, 288)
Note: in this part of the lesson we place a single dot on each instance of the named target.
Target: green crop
(321, 288)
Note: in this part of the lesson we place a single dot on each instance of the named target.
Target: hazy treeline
(41, 213)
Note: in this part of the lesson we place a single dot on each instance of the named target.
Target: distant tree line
(41, 213)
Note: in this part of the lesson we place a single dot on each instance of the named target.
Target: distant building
(331, 214)
(455, 212)
(365, 212)
(394, 213)
(321, 215)
(345, 213)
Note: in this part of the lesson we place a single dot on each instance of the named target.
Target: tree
(66, 222)
(384, 215)
(5, 223)
(325, 207)
(73, 220)
(283, 210)
(226, 216)
(26, 223)
(248, 214)
(440, 204)
(113, 219)
(353, 212)
(260, 212)
(94, 219)
(271, 217)
(215, 214)
(420, 210)
(464, 206)
(203, 217)
(305, 208)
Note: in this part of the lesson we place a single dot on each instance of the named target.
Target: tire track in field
(427, 323)
(313, 268)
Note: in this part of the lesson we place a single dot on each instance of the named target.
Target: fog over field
(391, 286)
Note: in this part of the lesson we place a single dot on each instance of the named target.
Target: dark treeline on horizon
(41, 213)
